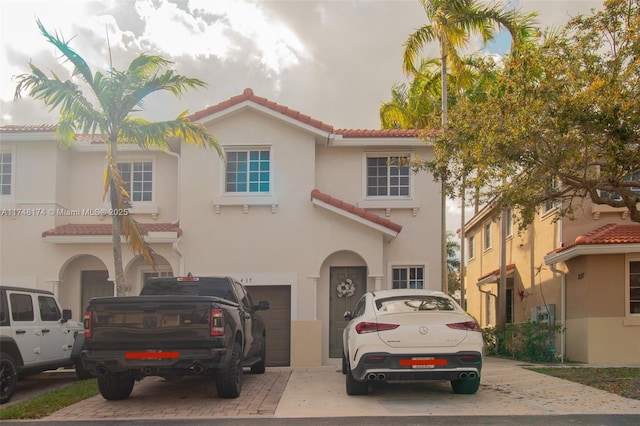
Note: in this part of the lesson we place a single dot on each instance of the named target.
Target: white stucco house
(297, 208)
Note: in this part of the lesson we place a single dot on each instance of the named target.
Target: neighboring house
(297, 209)
(583, 274)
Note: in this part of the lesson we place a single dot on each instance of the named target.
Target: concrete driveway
(506, 389)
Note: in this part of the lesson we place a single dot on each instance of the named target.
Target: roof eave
(589, 250)
(383, 229)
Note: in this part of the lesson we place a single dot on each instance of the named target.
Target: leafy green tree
(104, 106)
(453, 263)
(561, 124)
(451, 24)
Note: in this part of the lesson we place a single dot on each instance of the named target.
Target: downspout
(563, 297)
(177, 219)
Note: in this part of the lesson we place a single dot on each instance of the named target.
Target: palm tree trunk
(443, 206)
(115, 223)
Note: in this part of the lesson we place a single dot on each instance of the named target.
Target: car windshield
(414, 303)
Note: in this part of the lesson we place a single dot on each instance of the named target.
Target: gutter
(177, 219)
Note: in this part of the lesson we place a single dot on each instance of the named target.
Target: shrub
(529, 341)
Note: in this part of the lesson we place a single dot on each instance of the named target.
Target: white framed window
(634, 287)
(408, 277)
(387, 176)
(471, 247)
(509, 216)
(138, 178)
(248, 171)
(632, 290)
(487, 236)
(6, 173)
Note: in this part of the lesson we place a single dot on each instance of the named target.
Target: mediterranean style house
(295, 210)
(583, 274)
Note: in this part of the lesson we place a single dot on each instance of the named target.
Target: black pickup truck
(177, 326)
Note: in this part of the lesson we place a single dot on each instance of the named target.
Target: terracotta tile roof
(16, 128)
(608, 234)
(247, 95)
(380, 133)
(496, 272)
(316, 194)
(105, 229)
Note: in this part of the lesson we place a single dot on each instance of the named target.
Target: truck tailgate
(152, 322)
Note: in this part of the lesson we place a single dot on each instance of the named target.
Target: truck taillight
(217, 322)
(87, 324)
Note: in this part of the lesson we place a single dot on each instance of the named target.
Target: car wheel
(355, 387)
(260, 367)
(466, 386)
(345, 366)
(8, 377)
(115, 386)
(229, 381)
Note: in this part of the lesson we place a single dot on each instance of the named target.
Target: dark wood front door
(346, 286)
(95, 284)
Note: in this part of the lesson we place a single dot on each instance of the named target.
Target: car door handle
(21, 331)
(45, 330)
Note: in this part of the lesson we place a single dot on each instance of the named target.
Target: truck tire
(81, 372)
(115, 386)
(229, 381)
(260, 367)
(8, 377)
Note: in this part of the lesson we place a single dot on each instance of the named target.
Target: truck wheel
(465, 387)
(229, 381)
(81, 372)
(115, 386)
(260, 366)
(8, 377)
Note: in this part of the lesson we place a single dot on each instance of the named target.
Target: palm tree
(117, 96)
(451, 23)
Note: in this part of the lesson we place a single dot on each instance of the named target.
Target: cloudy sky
(335, 60)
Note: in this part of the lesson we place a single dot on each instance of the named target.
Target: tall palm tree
(451, 24)
(104, 106)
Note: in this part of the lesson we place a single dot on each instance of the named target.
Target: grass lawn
(624, 381)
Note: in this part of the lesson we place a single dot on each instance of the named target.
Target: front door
(95, 284)
(346, 286)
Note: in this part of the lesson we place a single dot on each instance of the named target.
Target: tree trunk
(115, 223)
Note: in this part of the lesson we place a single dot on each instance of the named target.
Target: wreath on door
(346, 288)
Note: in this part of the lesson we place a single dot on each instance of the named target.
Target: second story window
(138, 177)
(471, 247)
(387, 176)
(487, 236)
(408, 277)
(6, 173)
(248, 171)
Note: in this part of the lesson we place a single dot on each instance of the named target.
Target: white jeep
(35, 335)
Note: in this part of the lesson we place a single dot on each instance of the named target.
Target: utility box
(544, 313)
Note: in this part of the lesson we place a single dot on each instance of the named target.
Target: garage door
(277, 321)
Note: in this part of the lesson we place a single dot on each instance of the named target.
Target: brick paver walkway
(191, 397)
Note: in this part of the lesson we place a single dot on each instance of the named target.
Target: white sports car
(411, 334)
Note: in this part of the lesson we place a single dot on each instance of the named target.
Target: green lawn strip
(623, 381)
(45, 404)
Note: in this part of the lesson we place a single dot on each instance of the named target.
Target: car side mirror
(66, 315)
(348, 315)
(263, 305)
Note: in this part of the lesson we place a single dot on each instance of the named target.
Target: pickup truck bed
(176, 327)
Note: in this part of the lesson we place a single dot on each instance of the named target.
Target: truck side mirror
(263, 305)
(66, 315)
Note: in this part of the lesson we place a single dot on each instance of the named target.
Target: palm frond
(157, 134)
(80, 66)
